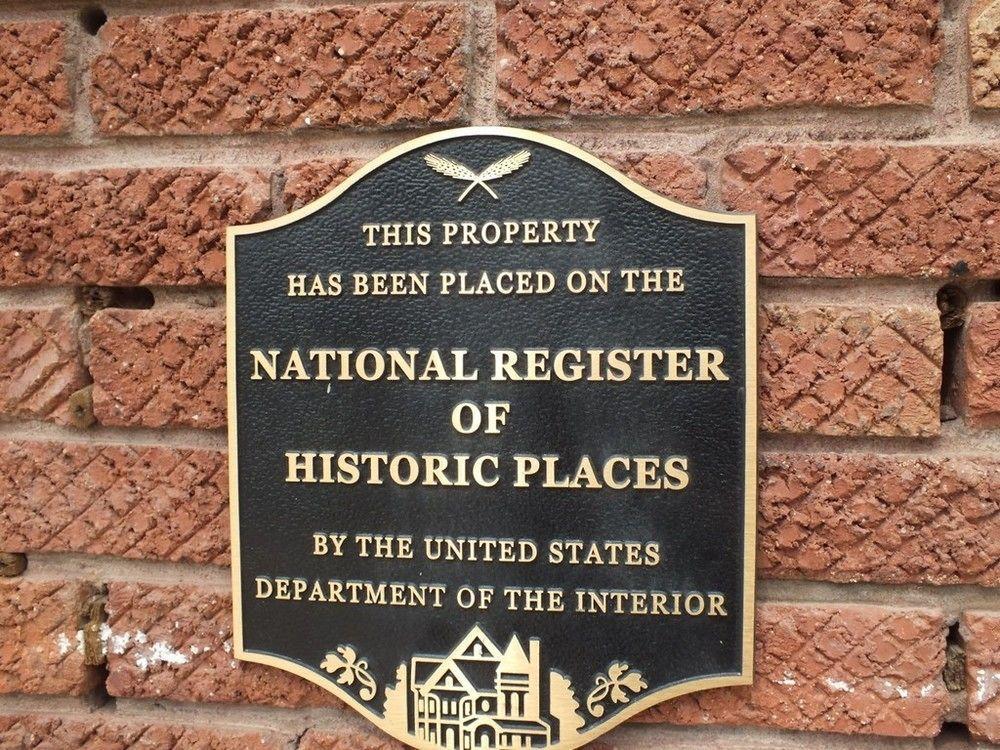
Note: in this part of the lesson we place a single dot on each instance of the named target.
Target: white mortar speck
(987, 685)
(115, 643)
(105, 635)
(839, 685)
(889, 688)
(65, 645)
(159, 652)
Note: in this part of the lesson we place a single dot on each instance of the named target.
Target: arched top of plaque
(479, 131)
(492, 437)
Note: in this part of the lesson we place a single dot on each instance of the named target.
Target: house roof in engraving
(482, 674)
(438, 680)
(466, 647)
(473, 664)
(423, 668)
(515, 660)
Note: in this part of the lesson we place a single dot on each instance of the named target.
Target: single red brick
(40, 363)
(849, 669)
(42, 646)
(850, 370)
(981, 633)
(885, 518)
(153, 503)
(847, 211)
(175, 643)
(157, 369)
(123, 226)
(669, 174)
(34, 87)
(673, 56)
(99, 730)
(979, 382)
(984, 51)
(241, 71)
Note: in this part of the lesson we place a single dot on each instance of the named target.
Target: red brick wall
(865, 135)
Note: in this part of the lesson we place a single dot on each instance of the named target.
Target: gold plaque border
(745, 677)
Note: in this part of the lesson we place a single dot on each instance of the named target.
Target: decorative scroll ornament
(345, 660)
(458, 171)
(614, 685)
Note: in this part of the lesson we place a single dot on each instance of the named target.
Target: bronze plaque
(492, 443)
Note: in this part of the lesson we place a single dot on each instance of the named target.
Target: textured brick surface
(884, 518)
(41, 651)
(157, 369)
(40, 364)
(850, 669)
(230, 72)
(307, 181)
(123, 227)
(984, 51)
(981, 632)
(672, 56)
(850, 370)
(818, 116)
(861, 210)
(979, 382)
(356, 739)
(34, 88)
(175, 642)
(97, 731)
(141, 502)
(668, 173)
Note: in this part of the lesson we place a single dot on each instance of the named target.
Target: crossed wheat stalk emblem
(458, 171)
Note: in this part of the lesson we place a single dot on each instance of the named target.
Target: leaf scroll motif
(457, 171)
(618, 684)
(505, 166)
(447, 167)
(352, 670)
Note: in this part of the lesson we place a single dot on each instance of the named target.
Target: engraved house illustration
(482, 696)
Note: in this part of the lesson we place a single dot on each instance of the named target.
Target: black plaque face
(492, 443)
